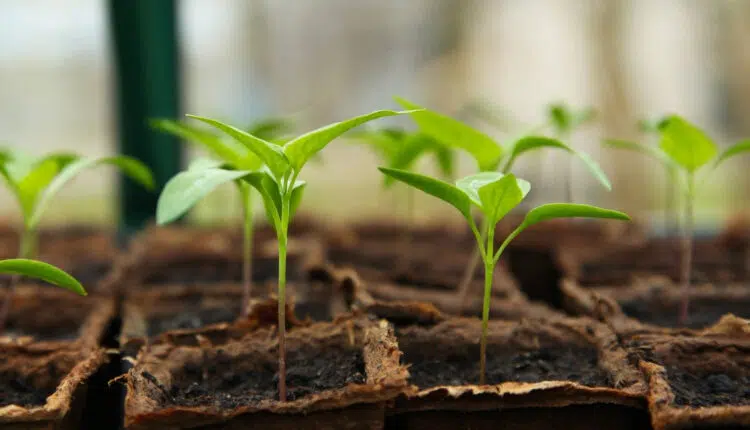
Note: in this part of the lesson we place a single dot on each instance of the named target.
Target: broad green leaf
(456, 134)
(186, 188)
(471, 184)
(229, 151)
(501, 196)
(686, 144)
(654, 153)
(302, 148)
(31, 185)
(442, 190)
(569, 210)
(129, 166)
(45, 272)
(296, 198)
(271, 155)
(736, 149)
(531, 143)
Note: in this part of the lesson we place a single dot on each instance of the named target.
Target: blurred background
(326, 60)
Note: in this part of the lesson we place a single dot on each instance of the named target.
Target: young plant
(279, 186)
(489, 156)
(652, 127)
(34, 181)
(565, 120)
(495, 194)
(43, 271)
(688, 148)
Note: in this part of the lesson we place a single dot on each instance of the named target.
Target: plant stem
(410, 225)
(247, 248)
(671, 205)
(27, 249)
(463, 288)
(282, 318)
(687, 250)
(489, 270)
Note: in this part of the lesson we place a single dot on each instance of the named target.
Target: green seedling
(278, 184)
(652, 128)
(565, 120)
(185, 189)
(494, 194)
(490, 156)
(686, 148)
(42, 271)
(35, 181)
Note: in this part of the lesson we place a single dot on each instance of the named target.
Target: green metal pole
(146, 73)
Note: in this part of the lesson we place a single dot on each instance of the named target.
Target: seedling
(278, 184)
(652, 127)
(495, 194)
(490, 156)
(565, 120)
(43, 271)
(688, 148)
(34, 181)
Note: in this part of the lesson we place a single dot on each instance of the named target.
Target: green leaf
(442, 190)
(736, 149)
(456, 134)
(569, 210)
(410, 149)
(269, 190)
(271, 128)
(300, 149)
(446, 160)
(686, 144)
(270, 154)
(652, 152)
(531, 143)
(566, 119)
(45, 272)
(129, 166)
(296, 197)
(206, 163)
(186, 188)
(229, 151)
(471, 184)
(384, 144)
(501, 196)
(31, 186)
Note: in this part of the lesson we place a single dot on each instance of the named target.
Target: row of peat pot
(582, 336)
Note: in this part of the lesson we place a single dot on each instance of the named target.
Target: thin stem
(27, 249)
(671, 206)
(407, 237)
(247, 247)
(282, 317)
(687, 249)
(476, 256)
(489, 270)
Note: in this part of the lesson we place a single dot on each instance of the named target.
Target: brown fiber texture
(149, 404)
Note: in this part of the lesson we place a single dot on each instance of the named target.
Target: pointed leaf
(129, 166)
(736, 149)
(569, 210)
(269, 191)
(456, 134)
(186, 188)
(271, 155)
(446, 160)
(227, 150)
(31, 186)
(45, 272)
(471, 184)
(686, 144)
(531, 143)
(410, 148)
(501, 196)
(296, 197)
(442, 190)
(302, 148)
(652, 152)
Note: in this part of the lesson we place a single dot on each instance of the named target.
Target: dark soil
(309, 371)
(537, 273)
(703, 313)
(578, 364)
(708, 389)
(16, 389)
(192, 319)
(203, 271)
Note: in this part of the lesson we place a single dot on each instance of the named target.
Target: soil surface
(192, 319)
(16, 389)
(309, 371)
(708, 389)
(208, 270)
(703, 313)
(578, 364)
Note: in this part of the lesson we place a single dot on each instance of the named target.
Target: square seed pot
(538, 373)
(43, 384)
(655, 302)
(695, 381)
(340, 375)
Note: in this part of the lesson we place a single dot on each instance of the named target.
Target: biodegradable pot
(43, 384)
(696, 381)
(173, 255)
(655, 302)
(50, 314)
(340, 375)
(538, 373)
